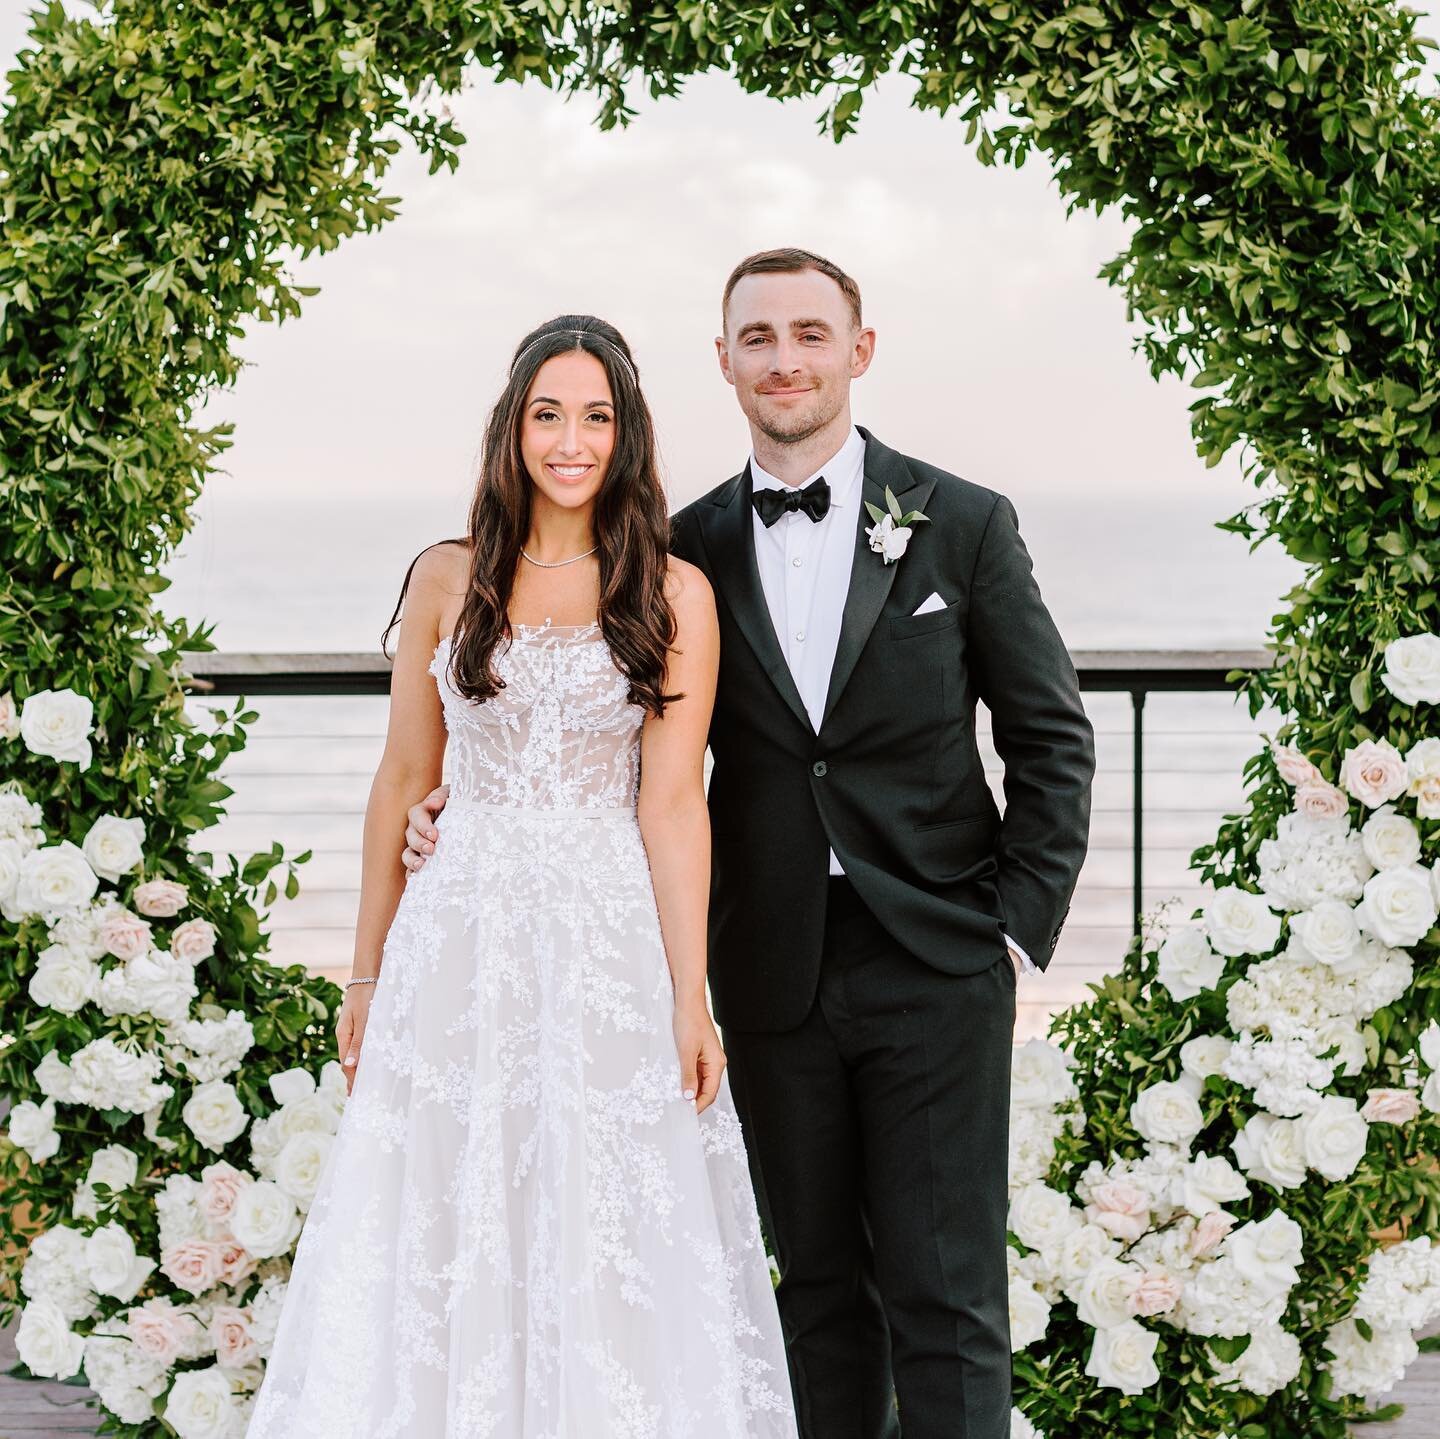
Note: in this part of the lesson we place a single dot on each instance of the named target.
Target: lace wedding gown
(523, 1231)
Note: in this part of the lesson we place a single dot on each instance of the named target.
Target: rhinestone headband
(584, 335)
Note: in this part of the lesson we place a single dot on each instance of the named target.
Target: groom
(869, 906)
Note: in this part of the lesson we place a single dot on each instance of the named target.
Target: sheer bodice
(561, 735)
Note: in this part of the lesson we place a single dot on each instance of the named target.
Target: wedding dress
(522, 1230)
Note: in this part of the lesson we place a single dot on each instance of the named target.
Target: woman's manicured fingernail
(689, 1094)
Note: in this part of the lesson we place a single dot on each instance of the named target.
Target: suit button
(819, 769)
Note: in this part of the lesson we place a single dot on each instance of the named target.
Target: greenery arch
(1278, 165)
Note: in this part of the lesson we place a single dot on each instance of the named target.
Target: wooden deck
(30, 1409)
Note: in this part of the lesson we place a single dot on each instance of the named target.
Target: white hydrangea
(1271, 1361)
(1401, 1285)
(152, 983)
(1309, 860)
(21, 819)
(127, 1380)
(103, 1075)
(56, 1269)
(1368, 1367)
(211, 1045)
(1285, 1075)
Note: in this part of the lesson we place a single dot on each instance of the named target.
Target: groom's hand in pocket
(420, 831)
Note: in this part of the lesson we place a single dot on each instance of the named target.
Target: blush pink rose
(1156, 1292)
(1390, 1106)
(160, 898)
(1374, 772)
(220, 1183)
(1120, 1208)
(123, 934)
(193, 1265)
(1293, 766)
(235, 1345)
(1319, 799)
(236, 1262)
(161, 1331)
(1212, 1228)
(193, 941)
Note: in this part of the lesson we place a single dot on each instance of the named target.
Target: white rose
(1266, 1252)
(63, 979)
(1123, 1358)
(1390, 839)
(1239, 922)
(1029, 1313)
(53, 1076)
(1167, 1113)
(46, 1343)
(32, 1128)
(311, 1112)
(1187, 964)
(1210, 1180)
(1429, 1044)
(53, 879)
(264, 1219)
(113, 1264)
(1040, 1217)
(1399, 905)
(1102, 1297)
(214, 1114)
(1348, 1043)
(1039, 1075)
(58, 723)
(1022, 1428)
(1334, 1137)
(9, 717)
(1204, 1055)
(1078, 1251)
(1412, 669)
(12, 853)
(291, 1084)
(1269, 1150)
(887, 539)
(1422, 769)
(300, 1164)
(202, 1405)
(114, 845)
(1374, 772)
(1328, 934)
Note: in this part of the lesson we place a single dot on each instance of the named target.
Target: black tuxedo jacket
(893, 780)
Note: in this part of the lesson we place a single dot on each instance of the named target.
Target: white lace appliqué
(523, 1231)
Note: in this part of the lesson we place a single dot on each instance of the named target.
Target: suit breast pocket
(944, 623)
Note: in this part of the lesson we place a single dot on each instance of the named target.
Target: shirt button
(819, 769)
(799, 634)
(797, 562)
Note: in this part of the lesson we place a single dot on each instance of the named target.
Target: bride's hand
(350, 1029)
(702, 1060)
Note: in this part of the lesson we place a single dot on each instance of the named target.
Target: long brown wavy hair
(631, 522)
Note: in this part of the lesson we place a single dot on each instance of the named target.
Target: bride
(536, 1221)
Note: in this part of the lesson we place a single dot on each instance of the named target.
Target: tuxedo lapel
(870, 577)
(730, 542)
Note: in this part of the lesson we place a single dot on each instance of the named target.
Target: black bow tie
(813, 499)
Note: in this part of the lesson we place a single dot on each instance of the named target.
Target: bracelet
(349, 982)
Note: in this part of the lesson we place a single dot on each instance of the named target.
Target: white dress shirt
(805, 572)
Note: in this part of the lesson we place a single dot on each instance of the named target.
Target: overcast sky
(1000, 356)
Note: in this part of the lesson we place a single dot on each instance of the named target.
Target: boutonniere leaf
(890, 534)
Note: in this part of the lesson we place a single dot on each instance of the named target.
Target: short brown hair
(790, 261)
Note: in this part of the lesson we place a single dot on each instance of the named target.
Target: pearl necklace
(556, 564)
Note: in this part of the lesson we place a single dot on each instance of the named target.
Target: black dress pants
(877, 1134)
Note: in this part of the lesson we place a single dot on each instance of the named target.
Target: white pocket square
(933, 603)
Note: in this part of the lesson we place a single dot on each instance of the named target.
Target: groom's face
(790, 348)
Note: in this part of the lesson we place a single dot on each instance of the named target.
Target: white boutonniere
(890, 534)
